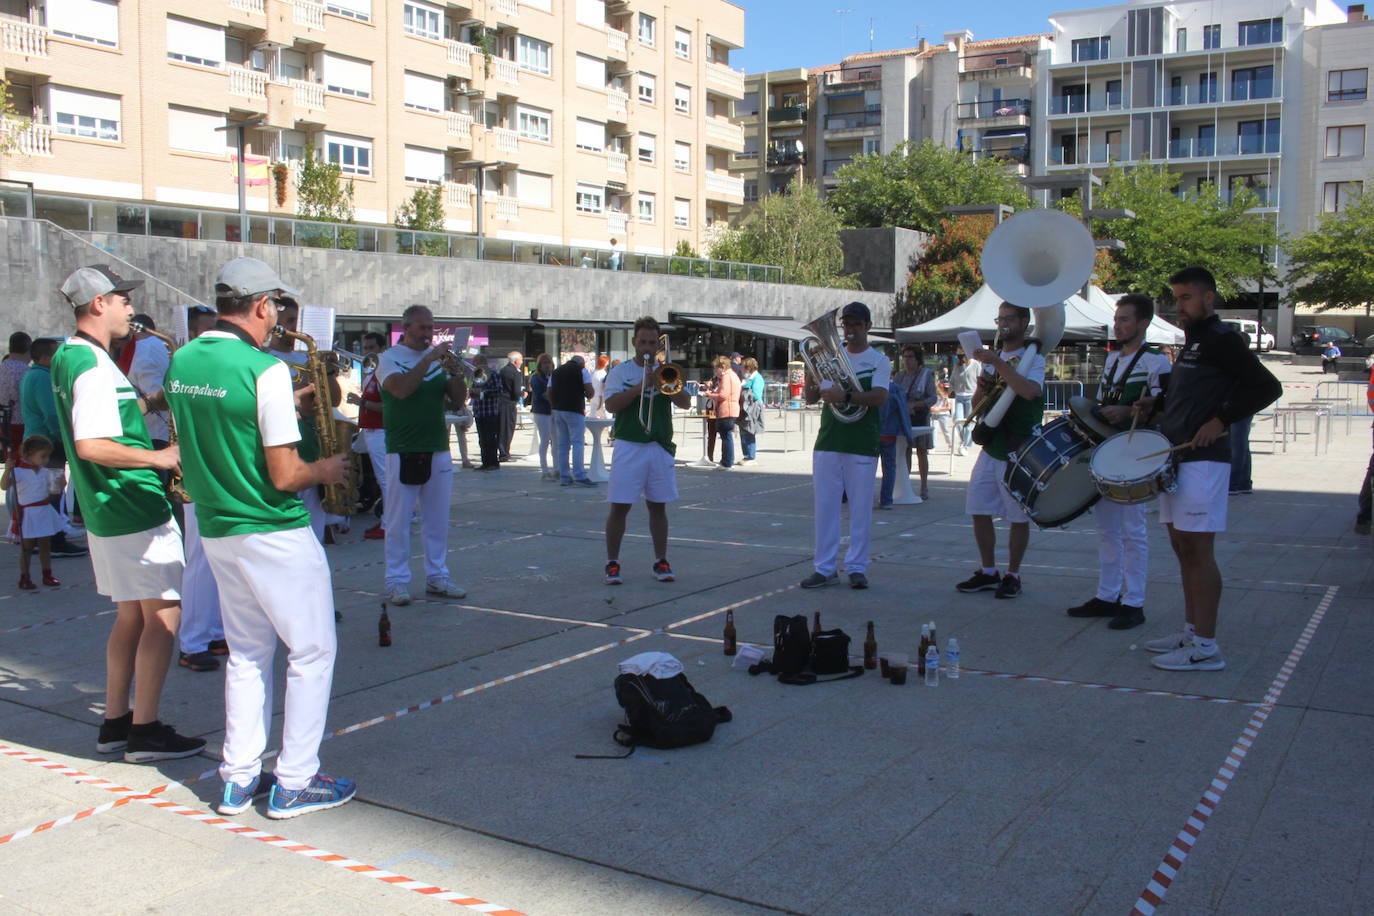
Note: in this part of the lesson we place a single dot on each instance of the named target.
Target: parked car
(1314, 336)
(1248, 327)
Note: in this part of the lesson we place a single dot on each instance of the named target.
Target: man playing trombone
(644, 449)
(845, 457)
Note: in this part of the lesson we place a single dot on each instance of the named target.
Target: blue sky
(808, 33)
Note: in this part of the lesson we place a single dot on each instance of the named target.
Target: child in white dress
(35, 520)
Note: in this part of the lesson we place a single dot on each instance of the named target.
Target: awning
(589, 323)
(784, 328)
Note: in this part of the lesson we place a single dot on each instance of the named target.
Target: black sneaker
(858, 580)
(1095, 607)
(1010, 587)
(114, 734)
(819, 580)
(68, 550)
(979, 582)
(157, 741)
(199, 661)
(1127, 617)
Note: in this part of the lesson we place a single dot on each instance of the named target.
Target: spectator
(737, 365)
(725, 397)
(12, 369)
(542, 412)
(893, 420)
(147, 369)
(486, 409)
(916, 384)
(570, 387)
(962, 383)
(598, 406)
(1329, 357)
(614, 261)
(1367, 488)
(751, 410)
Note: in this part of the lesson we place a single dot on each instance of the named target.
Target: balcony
(787, 114)
(248, 84)
(502, 209)
(308, 95)
(308, 13)
(505, 10)
(28, 139)
(617, 223)
(831, 167)
(257, 7)
(460, 128)
(1209, 148)
(722, 186)
(458, 195)
(505, 70)
(851, 76)
(785, 159)
(507, 140)
(1018, 155)
(1095, 154)
(720, 78)
(618, 103)
(996, 111)
(985, 68)
(722, 133)
(617, 45)
(25, 39)
(460, 54)
(617, 163)
(854, 120)
(1085, 104)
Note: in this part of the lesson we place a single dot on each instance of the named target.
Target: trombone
(659, 374)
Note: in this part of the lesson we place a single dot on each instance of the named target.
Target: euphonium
(336, 500)
(175, 488)
(825, 359)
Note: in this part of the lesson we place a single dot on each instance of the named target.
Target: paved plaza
(1060, 774)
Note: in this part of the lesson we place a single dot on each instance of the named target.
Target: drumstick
(1166, 451)
(1135, 418)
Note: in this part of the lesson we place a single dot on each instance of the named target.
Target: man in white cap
(134, 542)
(235, 415)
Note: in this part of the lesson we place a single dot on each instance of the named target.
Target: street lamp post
(481, 167)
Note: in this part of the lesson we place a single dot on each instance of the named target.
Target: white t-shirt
(624, 377)
(1033, 372)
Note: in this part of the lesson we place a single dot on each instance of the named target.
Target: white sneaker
(1170, 643)
(444, 588)
(1189, 658)
(398, 596)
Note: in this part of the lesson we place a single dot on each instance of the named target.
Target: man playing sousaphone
(986, 496)
(1132, 371)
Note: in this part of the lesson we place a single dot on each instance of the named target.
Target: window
(648, 30)
(682, 213)
(535, 123)
(682, 43)
(1206, 139)
(1252, 83)
(534, 189)
(532, 54)
(1260, 31)
(1145, 31)
(591, 71)
(1347, 85)
(1211, 37)
(647, 148)
(1073, 97)
(76, 113)
(195, 42)
(344, 75)
(1180, 40)
(194, 131)
(872, 146)
(424, 93)
(290, 64)
(1345, 141)
(1337, 195)
(353, 9)
(591, 135)
(682, 98)
(1257, 183)
(422, 19)
(647, 205)
(590, 198)
(353, 155)
(751, 190)
(648, 87)
(424, 166)
(1113, 93)
(1258, 136)
(95, 21)
(1207, 87)
(1092, 48)
(682, 156)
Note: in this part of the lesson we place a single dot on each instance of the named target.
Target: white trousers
(1122, 552)
(274, 585)
(543, 426)
(311, 497)
(433, 497)
(200, 620)
(376, 452)
(835, 474)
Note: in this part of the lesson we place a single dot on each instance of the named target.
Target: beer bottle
(816, 626)
(921, 653)
(870, 649)
(384, 628)
(933, 640)
(730, 644)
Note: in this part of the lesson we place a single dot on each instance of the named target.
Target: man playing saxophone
(845, 458)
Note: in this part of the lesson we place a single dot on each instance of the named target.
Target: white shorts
(139, 566)
(641, 469)
(1199, 503)
(986, 495)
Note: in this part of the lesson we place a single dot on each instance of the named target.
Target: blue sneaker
(238, 799)
(323, 792)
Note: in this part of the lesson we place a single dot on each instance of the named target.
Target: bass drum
(1051, 476)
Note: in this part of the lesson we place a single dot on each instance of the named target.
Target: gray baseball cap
(248, 277)
(86, 283)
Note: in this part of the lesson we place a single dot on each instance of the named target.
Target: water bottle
(932, 667)
(952, 658)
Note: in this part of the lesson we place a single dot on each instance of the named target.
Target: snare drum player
(1216, 380)
(986, 495)
(1132, 370)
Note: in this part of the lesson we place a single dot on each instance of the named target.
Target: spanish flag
(254, 169)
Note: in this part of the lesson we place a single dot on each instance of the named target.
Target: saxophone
(337, 498)
(175, 488)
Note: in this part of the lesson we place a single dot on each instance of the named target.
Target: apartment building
(1336, 159)
(982, 95)
(574, 124)
(778, 131)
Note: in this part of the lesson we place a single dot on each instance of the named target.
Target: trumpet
(454, 364)
(824, 355)
(175, 487)
(660, 375)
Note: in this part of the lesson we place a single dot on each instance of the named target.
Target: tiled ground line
(1173, 860)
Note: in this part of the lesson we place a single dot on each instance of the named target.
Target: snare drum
(1084, 415)
(1050, 476)
(1123, 475)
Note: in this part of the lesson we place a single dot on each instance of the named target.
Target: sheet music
(318, 322)
(181, 324)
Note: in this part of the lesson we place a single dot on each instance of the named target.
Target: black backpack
(794, 652)
(664, 712)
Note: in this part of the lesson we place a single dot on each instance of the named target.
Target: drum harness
(1115, 386)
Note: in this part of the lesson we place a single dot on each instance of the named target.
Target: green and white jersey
(860, 437)
(659, 410)
(415, 423)
(1139, 377)
(230, 401)
(96, 401)
(1023, 416)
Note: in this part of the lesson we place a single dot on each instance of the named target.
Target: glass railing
(1019, 154)
(92, 215)
(851, 120)
(787, 113)
(1225, 146)
(1093, 154)
(994, 108)
(832, 166)
(1080, 104)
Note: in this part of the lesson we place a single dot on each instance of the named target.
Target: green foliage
(684, 268)
(424, 213)
(485, 40)
(794, 230)
(1330, 267)
(1171, 232)
(946, 273)
(12, 123)
(911, 186)
(321, 192)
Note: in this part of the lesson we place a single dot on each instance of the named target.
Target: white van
(1248, 327)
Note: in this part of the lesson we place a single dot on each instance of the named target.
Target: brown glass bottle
(870, 649)
(384, 628)
(731, 646)
(921, 653)
(816, 626)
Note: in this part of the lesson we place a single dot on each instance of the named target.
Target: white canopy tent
(1160, 331)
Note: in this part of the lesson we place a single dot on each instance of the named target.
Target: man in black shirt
(512, 393)
(1216, 381)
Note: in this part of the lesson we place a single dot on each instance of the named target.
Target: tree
(322, 195)
(946, 273)
(424, 212)
(794, 230)
(1330, 267)
(911, 186)
(1170, 232)
(12, 123)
